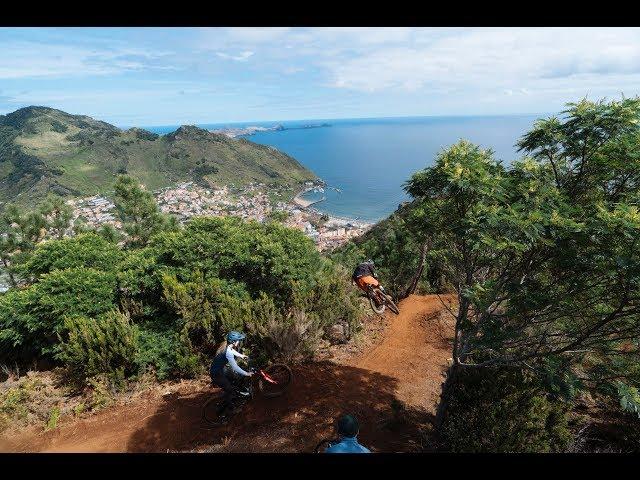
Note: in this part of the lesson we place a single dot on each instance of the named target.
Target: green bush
(290, 337)
(332, 299)
(104, 345)
(20, 341)
(266, 258)
(31, 318)
(87, 250)
(157, 351)
(502, 411)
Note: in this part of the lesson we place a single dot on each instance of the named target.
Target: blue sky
(166, 76)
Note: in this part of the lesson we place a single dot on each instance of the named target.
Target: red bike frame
(264, 375)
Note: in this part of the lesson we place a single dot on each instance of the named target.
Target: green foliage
(158, 351)
(278, 216)
(629, 398)
(331, 300)
(543, 254)
(502, 411)
(86, 250)
(290, 337)
(266, 258)
(140, 283)
(57, 215)
(44, 149)
(201, 308)
(31, 318)
(138, 211)
(19, 233)
(54, 416)
(109, 233)
(105, 345)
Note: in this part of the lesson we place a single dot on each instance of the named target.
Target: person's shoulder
(336, 448)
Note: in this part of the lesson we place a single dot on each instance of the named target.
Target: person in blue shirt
(223, 377)
(348, 429)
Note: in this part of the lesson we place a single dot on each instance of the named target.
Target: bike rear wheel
(280, 376)
(211, 411)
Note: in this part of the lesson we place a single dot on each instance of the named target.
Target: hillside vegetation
(43, 150)
(544, 257)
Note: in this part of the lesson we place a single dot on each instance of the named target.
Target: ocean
(369, 160)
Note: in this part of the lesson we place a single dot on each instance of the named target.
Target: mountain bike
(379, 300)
(271, 381)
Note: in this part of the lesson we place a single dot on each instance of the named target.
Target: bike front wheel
(276, 380)
(392, 306)
(379, 309)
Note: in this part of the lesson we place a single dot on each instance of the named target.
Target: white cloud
(23, 59)
(490, 58)
(254, 35)
(242, 57)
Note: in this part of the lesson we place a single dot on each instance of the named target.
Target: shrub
(332, 300)
(31, 318)
(157, 350)
(19, 340)
(54, 416)
(15, 402)
(204, 308)
(86, 250)
(266, 258)
(105, 345)
(290, 337)
(502, 411)
(139, 283)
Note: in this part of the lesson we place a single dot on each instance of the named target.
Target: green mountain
(45, 150)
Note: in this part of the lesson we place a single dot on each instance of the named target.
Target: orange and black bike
(380, 300)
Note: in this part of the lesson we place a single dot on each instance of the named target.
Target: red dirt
(406, 367)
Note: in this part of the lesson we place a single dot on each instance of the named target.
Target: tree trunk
(414, 283)
(446, 394)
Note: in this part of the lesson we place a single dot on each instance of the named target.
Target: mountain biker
(365, 275)
(226, 378)
(348, 430)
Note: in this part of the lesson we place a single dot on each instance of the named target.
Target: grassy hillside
(46, 150)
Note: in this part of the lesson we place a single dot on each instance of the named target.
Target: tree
(19, 233)
(543, 255)
(57, 214)
(138, 211)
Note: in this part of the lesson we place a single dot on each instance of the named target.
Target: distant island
(252, 130)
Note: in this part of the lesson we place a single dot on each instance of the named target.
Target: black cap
(348, 426)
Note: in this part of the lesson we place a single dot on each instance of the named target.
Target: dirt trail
(405, 366)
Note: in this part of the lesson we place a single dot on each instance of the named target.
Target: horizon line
(246, 122)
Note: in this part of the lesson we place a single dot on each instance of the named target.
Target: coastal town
(251, 202)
